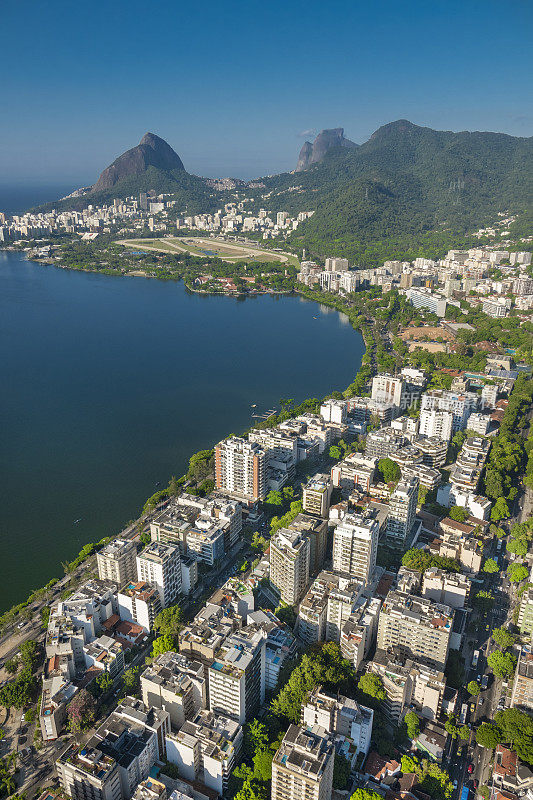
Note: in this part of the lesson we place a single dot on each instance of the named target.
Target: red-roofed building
(509, 773)
(111, 623)
(380, 770)
(130, 632)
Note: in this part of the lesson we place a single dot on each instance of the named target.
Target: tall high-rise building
(205, 749)
(177, 684)
(522, 696)
(118, 756)
(116, 561)
(237, 674)
(436, 423)
(289, 564)
(460, 405)
(339, 715)
(336, 264)
(402, 511)
(316, 530)
(241, 468)
(317, 495)
(160, 565)
(388, 389)
(355, 545)
(302, 768)
(419, 628)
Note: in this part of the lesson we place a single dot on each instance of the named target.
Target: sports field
(206, 246)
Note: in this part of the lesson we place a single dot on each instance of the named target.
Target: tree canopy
(371, 684)
(488, 735)
(163, 644)
(503, 638)
(502, 664)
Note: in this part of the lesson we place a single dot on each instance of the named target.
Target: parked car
(470, 769)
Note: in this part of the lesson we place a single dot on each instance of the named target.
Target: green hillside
(191, 192)
(407, 187)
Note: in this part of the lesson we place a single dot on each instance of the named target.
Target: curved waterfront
(110, 384)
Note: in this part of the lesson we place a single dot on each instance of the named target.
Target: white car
(23, 717)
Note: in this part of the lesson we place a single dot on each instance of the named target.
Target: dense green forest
(408, 191)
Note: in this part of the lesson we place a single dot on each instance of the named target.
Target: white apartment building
(423, 298)
(359, 631)
(450, 588)
(302, 768)
(479, 423)
(275, 442)
(139, 602)
(241, 468)
(497, 306)
(523, 285)
(118, 756)
(206, 749)
(337, 265)
(334, 411)
(417, 627)
(408, 684)
(327, 605)
(116, 561)
(388, 389)
(236, 677)
(435, 423)
(459, 405)
(341, 716)
(350, 281)
(343, 594)
(354, 471)
(355, 545)
(177, 684)
(402, 510)
(289, 564)
(160, 565)
(520, 258)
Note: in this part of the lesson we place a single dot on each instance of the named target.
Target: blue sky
(232, 86)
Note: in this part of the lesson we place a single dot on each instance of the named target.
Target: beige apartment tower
(289, 564)
(417, 627)
(241, 468)
(302, 768)
(116, 562)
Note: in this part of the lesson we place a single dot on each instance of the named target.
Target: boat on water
(77, 520)
(254, 405)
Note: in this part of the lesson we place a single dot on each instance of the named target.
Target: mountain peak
(399, 126)
(315, 152)
(152, 151)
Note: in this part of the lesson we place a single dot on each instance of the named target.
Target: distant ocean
(22, 196)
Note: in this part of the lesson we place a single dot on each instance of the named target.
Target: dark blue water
(18, 198)
(110, 384)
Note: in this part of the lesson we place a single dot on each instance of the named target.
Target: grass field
(200, 246)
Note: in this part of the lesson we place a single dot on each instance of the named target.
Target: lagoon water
(109, 384)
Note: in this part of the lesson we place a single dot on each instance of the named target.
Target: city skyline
(238, 93)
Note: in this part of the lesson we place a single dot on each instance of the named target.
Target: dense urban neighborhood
(334, 603)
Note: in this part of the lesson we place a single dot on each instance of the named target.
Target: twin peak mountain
(152, 151)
